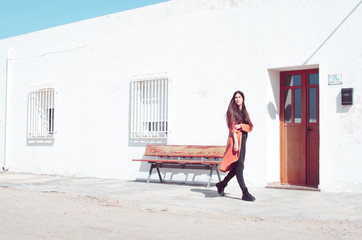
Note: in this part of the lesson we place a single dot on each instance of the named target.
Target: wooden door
(299, 127)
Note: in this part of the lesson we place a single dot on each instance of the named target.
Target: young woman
(239, 124)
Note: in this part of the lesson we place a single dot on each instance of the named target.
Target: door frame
(305, 112)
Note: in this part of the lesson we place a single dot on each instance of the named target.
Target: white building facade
(84, 99)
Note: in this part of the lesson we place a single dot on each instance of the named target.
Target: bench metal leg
(159, 174)
(218, 173)
(208, 184)
(150, 173)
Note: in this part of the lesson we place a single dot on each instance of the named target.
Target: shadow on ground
(208, 193)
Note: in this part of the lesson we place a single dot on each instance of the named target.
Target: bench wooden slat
(185, 151)
(177, 161)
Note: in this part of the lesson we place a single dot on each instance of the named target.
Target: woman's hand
(237, 126)
(236, 147)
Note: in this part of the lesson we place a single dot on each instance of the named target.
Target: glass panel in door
(298, 105)
(312, 105)
(288, 106)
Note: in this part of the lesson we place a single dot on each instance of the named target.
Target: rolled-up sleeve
(247, 127)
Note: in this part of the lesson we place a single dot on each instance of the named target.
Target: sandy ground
(34, 214)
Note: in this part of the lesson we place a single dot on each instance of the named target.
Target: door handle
(306, 131)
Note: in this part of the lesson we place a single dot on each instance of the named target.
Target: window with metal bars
(41, 114)
(149, 107)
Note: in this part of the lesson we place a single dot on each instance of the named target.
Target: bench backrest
(185, 151)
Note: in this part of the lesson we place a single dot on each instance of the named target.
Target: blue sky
(24, 16)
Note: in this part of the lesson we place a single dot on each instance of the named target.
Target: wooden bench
(183, 157)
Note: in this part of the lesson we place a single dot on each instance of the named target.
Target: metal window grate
(149, 107)
(41, 113)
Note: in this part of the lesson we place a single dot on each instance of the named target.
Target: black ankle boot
(220, 187)
(247, 196)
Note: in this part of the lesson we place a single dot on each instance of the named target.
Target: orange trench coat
(230, 156)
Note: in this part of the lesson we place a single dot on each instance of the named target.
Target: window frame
(150, 106)
(41, 108)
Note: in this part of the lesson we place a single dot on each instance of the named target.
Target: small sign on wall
(334, 79)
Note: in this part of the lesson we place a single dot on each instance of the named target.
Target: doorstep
(291, 187)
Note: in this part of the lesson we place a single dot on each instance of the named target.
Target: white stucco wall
(2, 106)
(210, 49)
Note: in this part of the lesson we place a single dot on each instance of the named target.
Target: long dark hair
(233, 113)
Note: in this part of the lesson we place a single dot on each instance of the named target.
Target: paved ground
(54, 207)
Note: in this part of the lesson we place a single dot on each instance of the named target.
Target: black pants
(238, 168)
